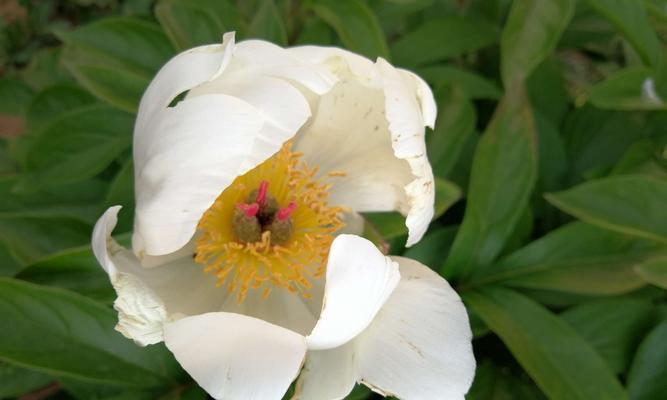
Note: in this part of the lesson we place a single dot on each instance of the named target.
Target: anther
(245, 225)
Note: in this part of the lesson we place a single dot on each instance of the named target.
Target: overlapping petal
(359, 280)
(150, 297)
(367, 322)
(233, 356)
(375, 115)
(422, 332)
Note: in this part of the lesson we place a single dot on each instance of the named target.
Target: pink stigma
(250, 210)
(284, 213)
(261, 193)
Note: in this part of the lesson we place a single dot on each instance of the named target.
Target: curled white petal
(183, 72)
(141, 312)
(359, 280)
(417, 347)
(423, 333)
(371, 126)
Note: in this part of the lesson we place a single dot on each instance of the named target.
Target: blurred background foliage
(550, 151)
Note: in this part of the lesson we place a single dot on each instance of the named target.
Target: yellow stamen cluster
(263, 264)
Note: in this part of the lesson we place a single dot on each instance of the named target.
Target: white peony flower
(246, 260)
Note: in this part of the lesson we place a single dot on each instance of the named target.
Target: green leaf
(522, 231)
(596, 139)
(268, 25)
(315, 31)
(630, 18)
(355, 24)
(613, 327)
(14, 97)
(456, 122)
(647, 379)
(360, 392)
(45, 69)
(562, 364)
(627, 89)
(77, 201)
(53, 101)
(441, 38)
(654, 271)
(9, 266)
(642, 157)
(497, 383)
(547, 89)
(576, 258)
(17, 381)
(47, 106)
(433, 248)
(190, 23)
(31, 238)
(504, 172)
(75, 269)
(553, 158)
(530, 35)
(392, 225)
(633, 204)
(121, 192)
(77, 146)
(65, 334)
(474, 86)
(115, 58)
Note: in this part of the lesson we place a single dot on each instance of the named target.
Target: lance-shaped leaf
(630, 89)
(442, 38)
(647, 379)
(613, 327)
(633, 204)
(115, 58)
(356, 25)
(504, 172)
(630, 18)
(562, 364)
(190, 23)
(577, 258)
(530, 35)
(65, 334)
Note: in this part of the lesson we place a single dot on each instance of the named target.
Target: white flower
(246, 260)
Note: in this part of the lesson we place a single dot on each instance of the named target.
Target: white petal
(147, 298)
(183, 72)
(235, 357)
(359, 280)
(368, 125)
(354, 223)
(281, 308)
(419, 345)
(342, 63)
(424, 94)
(281, 105)
(258, 57)
(328, 374)
(406, 123)
(349, 133)
(141, 313)
(191, 154)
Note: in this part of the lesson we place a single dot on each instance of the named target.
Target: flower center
(271, 227)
